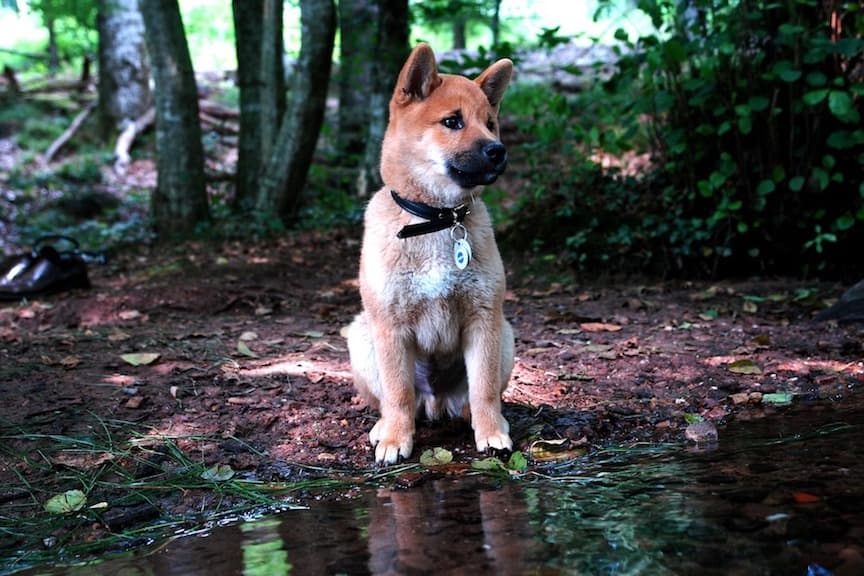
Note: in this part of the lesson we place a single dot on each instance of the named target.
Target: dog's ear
(494, 80)
(419, 76)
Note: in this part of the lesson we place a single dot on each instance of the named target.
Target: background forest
(673, 137)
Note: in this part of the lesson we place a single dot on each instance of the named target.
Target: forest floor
(233, 354)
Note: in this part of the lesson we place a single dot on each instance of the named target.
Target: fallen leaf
(69, 501)
(778, 398)
(517, 462)
(436, 457)
(311, 334)
(750, 307)
(129, 314)
(708, 315)
(134, 402)
(140, 358)
(70, 362)
(118, 336)
(805, 498)
(263, 311)
(248, 336)
(599, 327)
(218, 473)
(744, 366)
(244, 349)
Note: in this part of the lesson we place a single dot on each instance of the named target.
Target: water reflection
(782, 496)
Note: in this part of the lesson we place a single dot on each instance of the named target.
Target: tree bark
(272, 75)
(179, 202)
(391, 48)
(248, 31)
(124, 72)
(288, 164)
(357, 55)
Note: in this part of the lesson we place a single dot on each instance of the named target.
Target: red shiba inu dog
(432, 334)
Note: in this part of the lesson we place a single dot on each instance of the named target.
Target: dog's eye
(490, 124)
(453, 122)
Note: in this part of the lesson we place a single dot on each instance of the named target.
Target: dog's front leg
(483, 363)
(393, 434)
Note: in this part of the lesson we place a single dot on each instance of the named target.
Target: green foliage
(755, 119)
(751, 114)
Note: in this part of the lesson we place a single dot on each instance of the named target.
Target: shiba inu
(432, 335)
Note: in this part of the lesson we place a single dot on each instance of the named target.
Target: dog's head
(443, 132)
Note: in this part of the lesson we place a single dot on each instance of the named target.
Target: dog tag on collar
(462, 253)
(461, 247)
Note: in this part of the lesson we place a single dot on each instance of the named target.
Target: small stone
(701, 432)
(740, 398)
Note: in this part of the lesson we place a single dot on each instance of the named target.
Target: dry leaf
(248, 336)
(134, 402)
(599, 327)
(140, 358)
(70, 362)
(743, 367)
(129, 314)
(118, 336)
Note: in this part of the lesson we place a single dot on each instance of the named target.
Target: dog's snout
(495, 152)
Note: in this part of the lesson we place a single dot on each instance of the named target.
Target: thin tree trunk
(496, 24)
(124, 72)
(53, 53)
(391, 49)
(179, 202)
(248, 25)
(357, 55)
(272, 76)
(459, 26)
(288, 165)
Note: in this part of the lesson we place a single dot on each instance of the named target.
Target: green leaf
(778, 398)
(488, 464)
(786, 71)
(744, 366)
(69, 501)
(840, 104)
(815, 97)
(517, 462)
(693, 418)
(140, 358)
(244, 349)
(845, 222)
(841, 140)
(796, 183)
(218, 473)
(821, 177)
(765, 187)
(436, 457)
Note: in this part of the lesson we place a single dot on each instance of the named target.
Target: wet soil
(252, 370)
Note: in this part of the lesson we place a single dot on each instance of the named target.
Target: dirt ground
(252, 370)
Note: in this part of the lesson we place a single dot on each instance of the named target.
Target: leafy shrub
(754, 109)
(751, 111)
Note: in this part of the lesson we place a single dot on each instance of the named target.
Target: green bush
(751, 113)
(754, 108)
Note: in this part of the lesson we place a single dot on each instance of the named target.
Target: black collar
(438, 218)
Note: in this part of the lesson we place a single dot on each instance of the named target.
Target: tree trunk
(357, 54)
(272, 75)
(248, 25)
(179, 202)
(459, 25)
(391, 48)
(53, 52)
(496, 24)
(124, 72)
(288, 164)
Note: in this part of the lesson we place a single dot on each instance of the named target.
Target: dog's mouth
(480, 166)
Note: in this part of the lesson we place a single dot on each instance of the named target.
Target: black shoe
(43, 271)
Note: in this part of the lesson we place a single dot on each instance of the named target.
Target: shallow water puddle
(781, 495)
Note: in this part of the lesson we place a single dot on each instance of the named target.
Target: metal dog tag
(462, 253)
(461, 247)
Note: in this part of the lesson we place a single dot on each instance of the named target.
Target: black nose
(495, 152)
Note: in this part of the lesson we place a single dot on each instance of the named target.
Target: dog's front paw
(390, 444)
(498, 441)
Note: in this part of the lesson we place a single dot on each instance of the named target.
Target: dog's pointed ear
(494, 80)
(419, 76)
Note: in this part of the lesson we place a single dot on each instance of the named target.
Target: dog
(432, 334)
